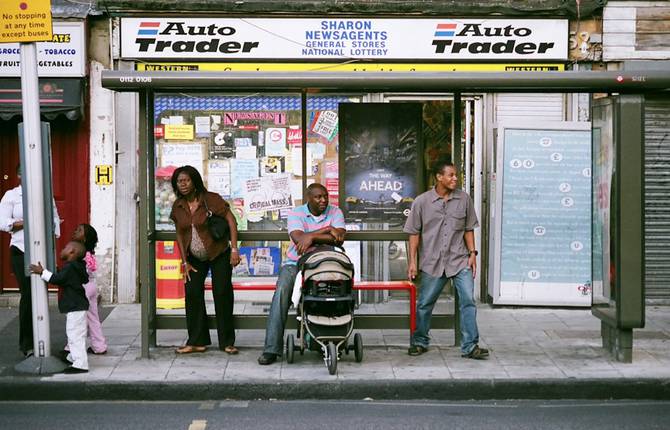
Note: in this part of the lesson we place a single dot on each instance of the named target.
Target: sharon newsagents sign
(343, 39)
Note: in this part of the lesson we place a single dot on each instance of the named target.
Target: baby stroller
(326, 309)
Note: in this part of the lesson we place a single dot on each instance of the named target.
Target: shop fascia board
(558, 82)
(553, 8)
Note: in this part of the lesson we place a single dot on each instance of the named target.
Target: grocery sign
(62, 56)
(344, 39)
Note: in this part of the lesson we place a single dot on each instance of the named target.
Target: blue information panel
(546, 215)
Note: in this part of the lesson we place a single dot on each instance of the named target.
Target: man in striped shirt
(313, 223)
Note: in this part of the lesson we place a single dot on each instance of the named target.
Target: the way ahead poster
(380, 145)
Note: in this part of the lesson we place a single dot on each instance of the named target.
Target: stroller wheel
(331, 358)
(358, 347)
(290, 347)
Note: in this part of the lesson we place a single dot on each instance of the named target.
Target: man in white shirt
(11, 221)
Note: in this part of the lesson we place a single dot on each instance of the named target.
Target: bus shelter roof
(561, 82)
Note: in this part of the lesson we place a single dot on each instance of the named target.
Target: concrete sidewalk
(535, 353)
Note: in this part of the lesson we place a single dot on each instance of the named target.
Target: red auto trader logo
(476, 38)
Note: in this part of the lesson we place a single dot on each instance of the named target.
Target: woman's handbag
(218, 226)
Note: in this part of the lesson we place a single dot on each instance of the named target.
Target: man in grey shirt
(442, 223)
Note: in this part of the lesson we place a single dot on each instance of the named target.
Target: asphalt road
(324, 414)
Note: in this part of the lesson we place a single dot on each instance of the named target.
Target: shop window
(248, 148)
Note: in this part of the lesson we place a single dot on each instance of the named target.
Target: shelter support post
(618, 341)
(456, 145)
(146, 322)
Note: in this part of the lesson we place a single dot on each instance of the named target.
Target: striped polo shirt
(302, 219)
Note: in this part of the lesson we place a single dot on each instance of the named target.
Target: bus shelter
(618, 167)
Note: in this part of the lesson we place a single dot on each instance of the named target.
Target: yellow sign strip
(168, 269)
(346, 67)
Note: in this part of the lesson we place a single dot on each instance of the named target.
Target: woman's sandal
(230, 349)
(189, 349)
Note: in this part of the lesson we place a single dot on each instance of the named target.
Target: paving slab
(535, 353)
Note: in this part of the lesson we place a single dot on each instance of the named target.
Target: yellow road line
(198, 425)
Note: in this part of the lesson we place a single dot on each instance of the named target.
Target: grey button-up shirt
(442, 224)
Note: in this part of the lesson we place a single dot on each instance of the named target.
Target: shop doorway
(69, 146)
(438, 142)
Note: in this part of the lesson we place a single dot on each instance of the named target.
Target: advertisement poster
(324, 123)
(179, 132)
(258, 261)
(218, 178)
(546, 214)
(275, 142)
(241, 170)
(179, 154)
(222, 145)
(379, 147)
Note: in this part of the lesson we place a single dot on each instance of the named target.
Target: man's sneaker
(415, 350)
(477, 353)
(267, 358)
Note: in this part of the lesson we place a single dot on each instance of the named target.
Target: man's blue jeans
(281, 300)
(431, 287)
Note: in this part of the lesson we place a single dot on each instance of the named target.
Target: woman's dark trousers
(222, 291)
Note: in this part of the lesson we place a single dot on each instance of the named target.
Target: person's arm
(469, 237)
(57, 220)
(234, 252)
(338, 234)
(303, 241)
(413, 253)
(338, 227)
(185, 265)
(413, 227)
(471, 222)
(221, 208)
(47, 276)
(7, 222)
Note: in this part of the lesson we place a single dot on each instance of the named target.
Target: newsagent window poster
(380, 146)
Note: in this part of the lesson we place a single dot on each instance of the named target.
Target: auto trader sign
(344, 38)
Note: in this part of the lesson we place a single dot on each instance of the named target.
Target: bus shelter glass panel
(230, 140)
(603, 206)
(248, 148)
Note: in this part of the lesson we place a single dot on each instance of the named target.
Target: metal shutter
(547, 107)
(657, 198)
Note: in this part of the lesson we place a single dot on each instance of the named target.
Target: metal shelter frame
(629, 85)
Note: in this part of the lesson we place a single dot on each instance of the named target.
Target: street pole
(33, 213)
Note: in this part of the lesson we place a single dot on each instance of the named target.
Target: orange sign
(25, 21)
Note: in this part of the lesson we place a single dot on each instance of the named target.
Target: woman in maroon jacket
(200, 253)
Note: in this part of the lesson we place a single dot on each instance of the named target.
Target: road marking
(234, 404)
(387, 403)
(207, 406)
(198, 425)
(612, 403)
